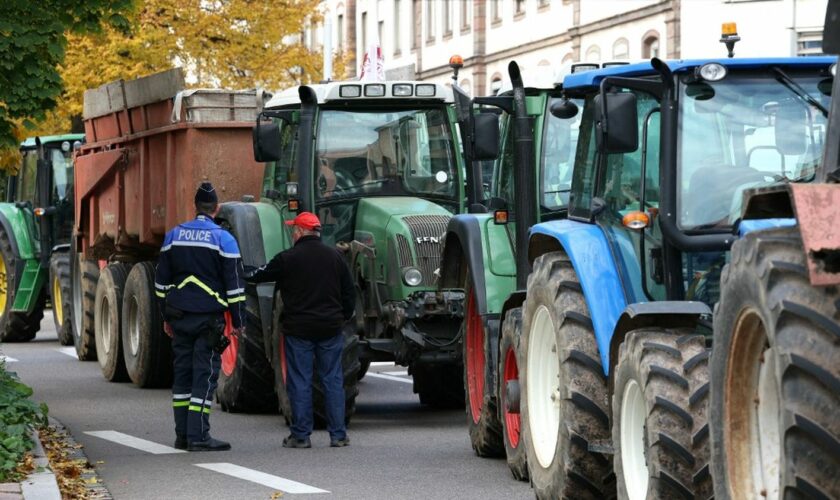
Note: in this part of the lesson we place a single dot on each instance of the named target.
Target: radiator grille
(426, 233)
(403, 251)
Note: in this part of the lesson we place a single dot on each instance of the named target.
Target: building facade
(417, 37)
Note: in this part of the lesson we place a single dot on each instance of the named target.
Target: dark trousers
(196, 371)
(326, 354)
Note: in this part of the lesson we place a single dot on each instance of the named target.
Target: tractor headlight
(412, 276)
(712, 72)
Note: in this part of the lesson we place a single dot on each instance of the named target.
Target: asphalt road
(399, 449)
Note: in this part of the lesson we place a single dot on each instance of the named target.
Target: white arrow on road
(255, 476)
(7, 359)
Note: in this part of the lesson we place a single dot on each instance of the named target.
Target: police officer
(198, 279)
(318, 298)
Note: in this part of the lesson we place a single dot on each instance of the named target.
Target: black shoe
(340, 443)
(181, 443)
(293, 442)
(210, 444)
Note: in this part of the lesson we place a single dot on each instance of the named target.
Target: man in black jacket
(318, 298)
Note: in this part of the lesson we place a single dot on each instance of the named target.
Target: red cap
(305, 220)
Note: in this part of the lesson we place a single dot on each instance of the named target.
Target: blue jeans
(300, 354)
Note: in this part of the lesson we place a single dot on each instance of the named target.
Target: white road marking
(255, 476)
(390, 377)
(402, 373)
(135, 442)
(70, 351)
(382, 363)
(7, 359)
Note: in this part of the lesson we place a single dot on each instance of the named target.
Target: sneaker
(339, 443)
(181, 443)
(210, 444)
(293, 442)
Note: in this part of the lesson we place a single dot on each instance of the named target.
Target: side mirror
(618, 127)
(486, 137)
(266, 141)
(564, 109)
(791, 129)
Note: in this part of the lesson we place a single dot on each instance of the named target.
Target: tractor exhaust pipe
(524, 177)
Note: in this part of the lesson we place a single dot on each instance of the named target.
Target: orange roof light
(729, 29)
(635, 220)
(456, 60)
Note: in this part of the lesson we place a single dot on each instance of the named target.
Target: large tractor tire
(564, 396)
(439, 385)
(660, 429)
(508, 397)
(246, 381)
(61, 296)
(85, 277)
(350, 367)
(146, 348)
(106, 318)
(775, 375)
(480, 401)
(15, 326)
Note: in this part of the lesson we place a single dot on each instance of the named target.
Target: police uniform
(198, 279)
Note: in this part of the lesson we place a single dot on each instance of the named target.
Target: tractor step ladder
(30, 286)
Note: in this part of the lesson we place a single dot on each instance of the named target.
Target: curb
(41, 484)
(96, 489)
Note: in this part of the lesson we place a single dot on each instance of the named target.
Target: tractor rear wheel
(480, 401)
(775, 375)
(85, 277)
(107, 312)
(660, 429)
(564, 397)
(15, 326)
(245, 381)
(508, 397)
(61, 296)
(147, 350)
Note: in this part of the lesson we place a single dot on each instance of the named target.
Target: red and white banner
(373, 65)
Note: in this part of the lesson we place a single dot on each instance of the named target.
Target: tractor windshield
(62, 169)
(747, 130)
(386, 153)
(558, 158)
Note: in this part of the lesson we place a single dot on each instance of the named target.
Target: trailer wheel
(508, 397)
(245, 382)
(439, 385)
(85, 277)
(564, 396)
(775, 375)
(480, 401)
(107, 312)
(15, 326)
(61, 296)
(147, 350)
(660, 429)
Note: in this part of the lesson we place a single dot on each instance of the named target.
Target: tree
(33, 37)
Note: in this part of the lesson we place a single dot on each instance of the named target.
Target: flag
(373, 65)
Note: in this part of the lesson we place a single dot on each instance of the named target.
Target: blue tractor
(616, 316)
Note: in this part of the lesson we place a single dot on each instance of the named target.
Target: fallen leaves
(69, 472)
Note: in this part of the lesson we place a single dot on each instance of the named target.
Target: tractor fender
(592, 258)
(663, 314)
(248, 222)
(13, 221)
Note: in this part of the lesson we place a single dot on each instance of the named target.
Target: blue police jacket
(200, 270)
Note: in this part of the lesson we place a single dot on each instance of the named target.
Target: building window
(495, 11)
(568, 58)
(364, 32)
(447, 17)
(650, 45)
(495, 84)
(809, 43)
(465, 14)
(621, 49)
(593, 54)
(430, 21)
(340, 32)
(519, 8)
(396, 42)
(543, 4)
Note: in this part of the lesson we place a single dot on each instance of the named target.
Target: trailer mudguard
(259, 230)
(590, 253)
(472, 244)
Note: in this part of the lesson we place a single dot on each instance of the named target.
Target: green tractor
(381, 166)
(35, 226)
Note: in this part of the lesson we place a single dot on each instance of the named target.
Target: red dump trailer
(149, 144)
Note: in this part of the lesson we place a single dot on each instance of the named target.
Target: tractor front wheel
(15, 326)
(509, 362)
(61, 296)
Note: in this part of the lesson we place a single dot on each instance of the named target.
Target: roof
(30, 142)
(549, 77)
(593, 78)
(331, 92)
